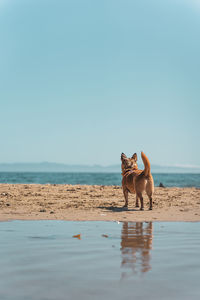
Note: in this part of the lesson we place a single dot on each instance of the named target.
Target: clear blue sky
(83, 80)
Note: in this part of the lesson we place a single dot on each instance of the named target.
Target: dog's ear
(123, 156)
(134, 156)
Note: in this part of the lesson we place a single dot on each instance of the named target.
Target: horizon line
(186, 166)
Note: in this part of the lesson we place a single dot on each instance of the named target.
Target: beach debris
(77, 236)
(161, 185)
(5, 194)
(104, 235)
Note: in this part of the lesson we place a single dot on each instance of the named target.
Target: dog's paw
(125, 207)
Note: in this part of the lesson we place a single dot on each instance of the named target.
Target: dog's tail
(147, 167)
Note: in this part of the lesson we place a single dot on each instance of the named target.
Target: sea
(168, 180)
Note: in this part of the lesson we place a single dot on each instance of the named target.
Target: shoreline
(94, 203)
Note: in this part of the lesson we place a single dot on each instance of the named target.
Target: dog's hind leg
(149, 191)
(139, 194)
(150, 202)
(136, 202)
(125, 191)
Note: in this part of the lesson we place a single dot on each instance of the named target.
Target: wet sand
(89, 202)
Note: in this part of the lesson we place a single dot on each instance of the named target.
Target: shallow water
(128, 260)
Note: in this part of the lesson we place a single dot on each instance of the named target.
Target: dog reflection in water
(136, 243)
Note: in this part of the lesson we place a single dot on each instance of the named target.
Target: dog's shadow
(117, 209)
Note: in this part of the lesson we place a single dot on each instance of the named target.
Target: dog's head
(129, 163)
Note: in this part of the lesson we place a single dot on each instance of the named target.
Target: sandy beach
(89, 202)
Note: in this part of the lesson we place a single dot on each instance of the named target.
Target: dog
(136, 181)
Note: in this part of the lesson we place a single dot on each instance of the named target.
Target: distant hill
(58, 167)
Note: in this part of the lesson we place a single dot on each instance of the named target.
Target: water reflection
(136, 243)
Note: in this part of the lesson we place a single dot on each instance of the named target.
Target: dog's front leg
(125, 191)
(136, 202)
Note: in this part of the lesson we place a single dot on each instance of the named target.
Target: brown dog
(136, 181)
